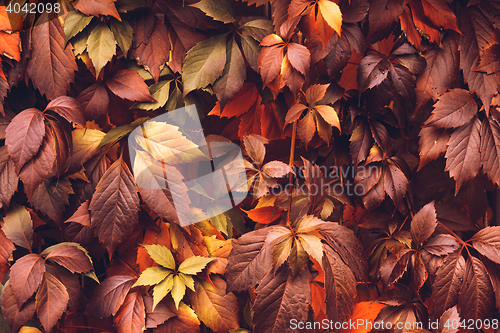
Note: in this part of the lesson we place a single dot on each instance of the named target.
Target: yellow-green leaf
(193, 265)
(123, 33)
(160, 92)
(161, 255)
(74, 23)
(101, 46)
(162, 289)
(204, 63)
(313, 246)
(187, 280)
(219, 10)
(178, 291)
(151, 276)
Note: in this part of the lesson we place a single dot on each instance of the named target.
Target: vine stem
(290, 176)
(464, 244)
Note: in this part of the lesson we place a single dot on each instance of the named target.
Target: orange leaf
(11, 21)
(439, 13)
(9, 45)
(331, 13)
(365, 311)
(264, 215)
(241, 102)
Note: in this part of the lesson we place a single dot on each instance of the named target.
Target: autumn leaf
(16, 315)
(131, 315)
(127, 84)
(218, 10)
(51, 301)
(423, 224)
(98, 7)
(115, 222)
(453, 109)
(26, 275)
(109, 296)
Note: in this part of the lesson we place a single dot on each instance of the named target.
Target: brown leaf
(52, 65)
(372, 70)
(131, 315)
(278, 293)
(185, 320)
(361, 142)
(432, 144)
(254, 148)
(128, 84)
(51, 196)
(18, 226)
(249, 261)
(160, 314)
(276, 169)
(453, 218)
(441, 71)
(340, 286)
(382, 13)
(438, 12)
(448, 282)
(490, 149)
(487, 242)
(453, 109)
(115, 205)
(442, 244)
(109, 296)
(269, 62)
(419, 272)
(94, 101)
(299, 56)
(51, 301)
(154, 53)
(463, 155)
(98, 7)
(6, 249)
(26, 275)
(70, 257)
(476, 296)
(72, 284)
(8, 178)
(394, 266)
(490, 61)
(68, 108)
(306, 128)
(15, 315)
(423, 224)
(215, 308)
(395, 181)
(62, 141)
(24, 136)
(40, 166)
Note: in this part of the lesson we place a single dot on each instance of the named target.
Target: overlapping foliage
(371, 133)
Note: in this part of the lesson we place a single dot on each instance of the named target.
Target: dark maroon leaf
(68, 108)
(70, 257)
(24, 135)
(109, 296)
(249, 261)
(393, 268)
(372, 70)
(423, 224)
(382, 13)
(51, 196)
(419, 272)
(94, 101)
(432, 144)
(448, 282)
(71, 283)
(276, 294)
(26, 275)
(127, 84)
(441, 245)
(487, 242)
(453, 218)
(490, 149)
(14, 315)
(115, 205)
(340, 286)
(361, 142)
(476, 297)
(160, 314)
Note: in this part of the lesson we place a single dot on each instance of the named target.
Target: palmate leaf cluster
(371, 137)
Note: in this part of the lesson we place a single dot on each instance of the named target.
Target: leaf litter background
(399, 96)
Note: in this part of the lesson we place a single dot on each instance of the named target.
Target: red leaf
(98, 7)
(109, 296)
(94, 101)
(14, 315)
(340, 286)
(384, 12)
(215, 308)
(394, 266)
(264, 215)
(448, 282)
(241, 102)
(82, 215)
(8, 178)
(490, 149)
(68, 108)
(441, 71)
(487, 242)
(249, 261)
(462, 156)
(153, 54)
(306, 128)
(269, 62)
(51, 301)
(52, 65)
(438, 12)
(128, 84)
(115, 205)
(6, 248)
(476, 297)
(453, 109)
(131, 315)
(299, 57)
(40, 166)
(432, 143)
(276, 294)
(51, 196)
(372, 70)
(161, 313)
(70, 257)
(395, 181)
(423, 224)
(421, 22)
(26, 275)
(72, 284)
(24, 135)
(490, 61)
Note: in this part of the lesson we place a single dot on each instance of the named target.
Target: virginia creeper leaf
(108, 296)
(423, 224)
(219, 10)
(131, 315)
(101, 46)
(51, 301)
(18, 226)
(98, 7)
(26, 275)
(127, 84)
(453, 109)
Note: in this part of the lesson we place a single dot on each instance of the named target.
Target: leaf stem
(453, 234)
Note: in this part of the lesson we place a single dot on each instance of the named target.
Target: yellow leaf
(29, 329)
(193, 265)
(161, 255)
(152, 276)
(331, 13)
(178, 291)
(328, 114)
(313, 246)
(187, 280)
(162, 289)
